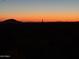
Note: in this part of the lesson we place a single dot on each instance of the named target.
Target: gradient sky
(35, 10)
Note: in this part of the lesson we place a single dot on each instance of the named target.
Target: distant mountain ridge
(16, 21)
(11, 21)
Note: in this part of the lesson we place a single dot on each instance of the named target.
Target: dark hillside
(39, 40)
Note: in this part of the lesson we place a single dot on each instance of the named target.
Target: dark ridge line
(41, 22)
(15, 21)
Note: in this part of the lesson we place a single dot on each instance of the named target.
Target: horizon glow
(35, 10)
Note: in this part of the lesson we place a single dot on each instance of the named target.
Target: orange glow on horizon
(47, 17)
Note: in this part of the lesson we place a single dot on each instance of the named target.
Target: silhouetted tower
(42, 20)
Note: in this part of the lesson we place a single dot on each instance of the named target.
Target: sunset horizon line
(41, 20)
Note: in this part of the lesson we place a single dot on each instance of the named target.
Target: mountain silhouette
(12, 21)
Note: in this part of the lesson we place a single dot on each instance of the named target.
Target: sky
(36, 10)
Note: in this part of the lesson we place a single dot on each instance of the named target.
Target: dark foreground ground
(39, 40)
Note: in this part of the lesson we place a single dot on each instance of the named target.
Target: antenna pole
(42, 19)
